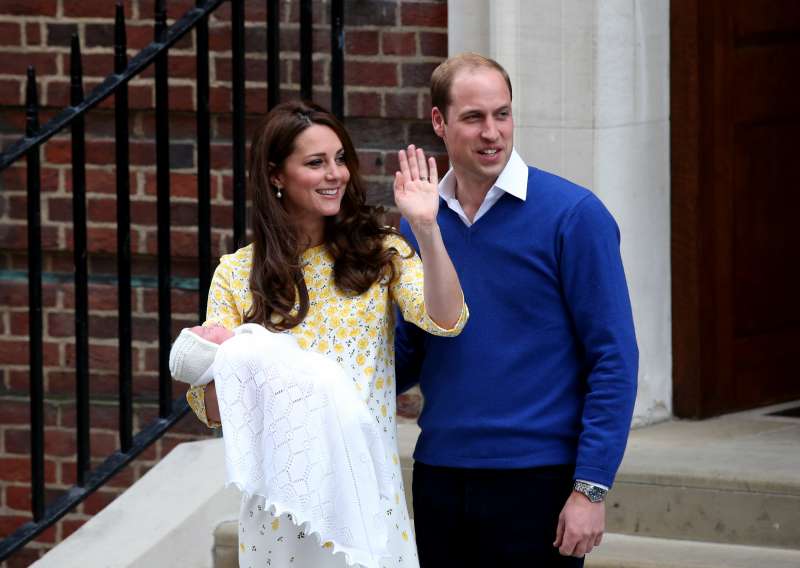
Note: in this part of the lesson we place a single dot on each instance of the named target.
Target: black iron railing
(72, 118)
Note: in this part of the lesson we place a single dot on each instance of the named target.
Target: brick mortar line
(97, 50)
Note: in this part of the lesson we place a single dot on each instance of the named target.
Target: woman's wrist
(425, 230)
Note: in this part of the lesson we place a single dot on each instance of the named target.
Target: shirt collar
(513, 179)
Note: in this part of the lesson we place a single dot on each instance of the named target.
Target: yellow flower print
(276, 524)
(323, 346)
(328, 544)
(339, 347)
(404, 534)
(363, 343)
(395, 459)
(241, 546)
(302, 342)
(384, 410)
(379, 384)
(360, 359)
(369, 371)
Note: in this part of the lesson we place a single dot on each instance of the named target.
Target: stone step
(616, 551)
(625, 551)
(723, 492)
(734, 479)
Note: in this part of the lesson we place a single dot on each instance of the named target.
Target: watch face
(594, 493)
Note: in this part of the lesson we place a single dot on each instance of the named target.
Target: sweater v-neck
(486, 219)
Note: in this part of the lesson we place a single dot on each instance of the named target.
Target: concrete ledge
(165, 519)
(749, 452)
(622, 551)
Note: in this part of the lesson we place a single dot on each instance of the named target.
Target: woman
(323, 268)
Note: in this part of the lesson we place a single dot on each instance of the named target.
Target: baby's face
(213, 333)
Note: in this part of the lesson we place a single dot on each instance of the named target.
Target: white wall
(591, 103)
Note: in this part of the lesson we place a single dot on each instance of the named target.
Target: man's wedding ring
(423, 179)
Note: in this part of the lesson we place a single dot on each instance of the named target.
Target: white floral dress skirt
(356, 332)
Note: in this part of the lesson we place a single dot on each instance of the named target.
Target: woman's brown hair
(354, 236)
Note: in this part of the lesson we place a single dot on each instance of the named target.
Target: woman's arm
(417, 197)
(222, 310)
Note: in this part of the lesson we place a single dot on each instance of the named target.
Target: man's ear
(438, 122)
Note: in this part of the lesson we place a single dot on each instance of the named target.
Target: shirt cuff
(196, 397)
(600, 485)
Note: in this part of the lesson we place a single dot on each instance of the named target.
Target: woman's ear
(275, 176)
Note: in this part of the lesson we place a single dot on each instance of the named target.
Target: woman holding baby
(324, 269)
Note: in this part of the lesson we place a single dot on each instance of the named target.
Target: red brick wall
(391, 48)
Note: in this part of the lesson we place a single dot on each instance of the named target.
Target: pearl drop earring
(279, 194)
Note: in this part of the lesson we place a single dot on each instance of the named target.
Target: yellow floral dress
(358, 333)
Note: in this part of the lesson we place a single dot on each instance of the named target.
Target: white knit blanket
(297, 433)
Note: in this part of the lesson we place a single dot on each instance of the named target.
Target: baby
(294, 426)
(192, 356)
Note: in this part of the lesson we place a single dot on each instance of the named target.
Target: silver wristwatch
(594, 493)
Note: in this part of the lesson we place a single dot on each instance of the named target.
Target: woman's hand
(212, 405)
(416, 194)
(416, 188)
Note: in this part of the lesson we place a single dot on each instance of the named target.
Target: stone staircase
(721, 493)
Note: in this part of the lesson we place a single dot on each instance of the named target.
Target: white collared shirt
(513, 179)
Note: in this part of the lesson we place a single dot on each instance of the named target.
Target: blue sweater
(545, 371)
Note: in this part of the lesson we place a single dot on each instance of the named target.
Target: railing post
(203, 168)
(239, 195)
(163, 216)
(123, 236)
(273, 53)
(83, 463)
(337, 58)
(35, 301)
(306, 50)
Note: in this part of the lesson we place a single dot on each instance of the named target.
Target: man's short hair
(443, 76)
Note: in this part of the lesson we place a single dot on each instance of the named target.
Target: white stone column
(591, 103)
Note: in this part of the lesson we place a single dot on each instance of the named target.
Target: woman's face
(313, 179)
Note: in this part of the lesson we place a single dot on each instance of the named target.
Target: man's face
(479, 131)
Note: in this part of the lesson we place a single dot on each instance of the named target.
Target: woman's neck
(311, 237)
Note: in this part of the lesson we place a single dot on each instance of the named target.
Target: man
(527, 412)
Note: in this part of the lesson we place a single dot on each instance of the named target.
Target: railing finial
(160, 18)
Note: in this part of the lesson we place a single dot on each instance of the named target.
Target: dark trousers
(490, 517)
